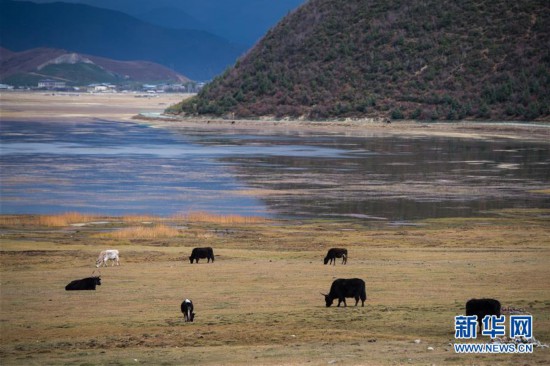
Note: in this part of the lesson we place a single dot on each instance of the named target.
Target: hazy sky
(242, 21)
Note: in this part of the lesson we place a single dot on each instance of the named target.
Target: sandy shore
(63, 107)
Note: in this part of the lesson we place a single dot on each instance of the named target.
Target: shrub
(397, 114)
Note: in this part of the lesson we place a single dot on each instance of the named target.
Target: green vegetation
(440, 60)
(22, 79)
(73, 74)
(80, 73)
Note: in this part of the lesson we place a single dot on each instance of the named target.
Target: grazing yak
(84, 284)
(187, 310)
(198, 253)
(334, 253)
(342, 288)
(105, 256)
(482, 307)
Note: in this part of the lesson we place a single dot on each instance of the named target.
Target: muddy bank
(535, 131)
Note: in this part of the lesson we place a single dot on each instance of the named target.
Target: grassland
(260, 302)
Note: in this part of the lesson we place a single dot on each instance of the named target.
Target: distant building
(51, 84)
(101, 88)
(173, 88)
(6, 87)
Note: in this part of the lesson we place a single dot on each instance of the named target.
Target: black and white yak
(187, 310)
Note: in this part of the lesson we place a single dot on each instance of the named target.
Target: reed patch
(59, 220)
(155, 231)
(207, 217)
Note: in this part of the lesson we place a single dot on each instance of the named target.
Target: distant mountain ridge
(28, 67)
(115, 35)
(430, 60)
(66, 58)
(243, 22)
(172, 18)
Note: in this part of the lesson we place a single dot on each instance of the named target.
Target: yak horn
(323, 294)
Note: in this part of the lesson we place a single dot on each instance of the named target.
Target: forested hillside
(428, 59)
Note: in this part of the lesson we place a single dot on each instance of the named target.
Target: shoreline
(143, 108)
(535, 132)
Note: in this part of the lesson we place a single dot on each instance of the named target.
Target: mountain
(89, 30)
(172, 17)
(241, 21)
(28, 67)
(429, 59)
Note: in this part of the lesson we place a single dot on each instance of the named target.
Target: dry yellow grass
(141, 218)
(59, 220)
(141, 232)
(259, 303)
(69, 107)
(541, 191)
(65, 219)
(206, 217)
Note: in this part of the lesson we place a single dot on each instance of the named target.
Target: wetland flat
(273, 170)
(474, 197)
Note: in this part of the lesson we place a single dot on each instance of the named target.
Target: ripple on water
(124, 168)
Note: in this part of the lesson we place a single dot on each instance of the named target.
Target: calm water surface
(123, 168)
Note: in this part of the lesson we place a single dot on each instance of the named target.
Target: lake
(114, 168)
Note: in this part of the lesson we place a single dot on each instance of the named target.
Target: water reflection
(117, 168)
(113, 168)
(392, 178)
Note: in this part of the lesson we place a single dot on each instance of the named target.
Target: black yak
(342, 288)
(334, 253)
(198, 253)
(482, 307)
(84, 284)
